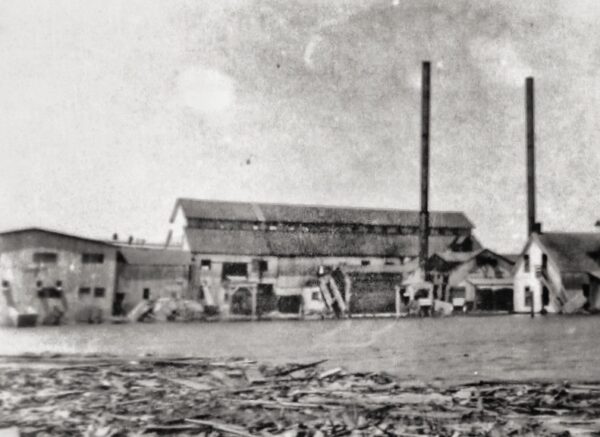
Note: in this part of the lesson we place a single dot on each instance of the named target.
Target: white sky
(110, 110)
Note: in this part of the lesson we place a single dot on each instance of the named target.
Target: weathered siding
(18, 267)
(161, 281)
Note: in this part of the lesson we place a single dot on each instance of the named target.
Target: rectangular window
(205, 264)
(544, 262)
(365, 262)
(92, 258)
(99, 292)
(85, 291)
(146, 294)
(45, 257)
(263, 266)
(528, 297)
(526, 266)
(235, 269)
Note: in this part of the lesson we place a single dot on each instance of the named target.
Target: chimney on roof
(115, 237)
(424, 214)
(130, 240)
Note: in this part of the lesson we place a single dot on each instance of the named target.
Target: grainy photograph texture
(300, 218)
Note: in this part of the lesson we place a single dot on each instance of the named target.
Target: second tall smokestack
(424, 214)
(530, 110)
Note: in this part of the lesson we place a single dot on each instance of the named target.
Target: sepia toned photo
(299, 218)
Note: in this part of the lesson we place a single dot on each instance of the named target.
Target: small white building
(556, 272)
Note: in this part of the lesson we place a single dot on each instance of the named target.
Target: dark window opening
(263, 266)
(146, 293)
(92, 258)
(235, 269)
(205, 264)
(544, 262)
(99, 292)
(365, 262)
(49, 293)
(545, 296)
(45, 257)
(85, 291)
(54, 293)
(526, 263)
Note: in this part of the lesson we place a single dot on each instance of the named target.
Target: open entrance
(241, 302)
(545, 296)
(266, 301)
(289, 304)
(495, 299)
(117, 309)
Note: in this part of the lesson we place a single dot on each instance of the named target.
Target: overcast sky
(111, 110)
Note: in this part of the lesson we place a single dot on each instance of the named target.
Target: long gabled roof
(572, 251)
(315, 214)
(283, 243)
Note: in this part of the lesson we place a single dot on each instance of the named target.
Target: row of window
(306, 227)
(87, 291)
(52, 258)
(57, 293)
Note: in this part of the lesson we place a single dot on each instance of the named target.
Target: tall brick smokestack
(530, 110)
(424, 214)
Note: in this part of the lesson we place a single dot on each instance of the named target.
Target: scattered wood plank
(230, 429)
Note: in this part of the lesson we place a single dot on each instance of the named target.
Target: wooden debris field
(106, 396)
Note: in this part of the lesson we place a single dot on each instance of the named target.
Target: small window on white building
(365, 262)
(146, 294)
(85, 291)
(526, 266)
(99, 292)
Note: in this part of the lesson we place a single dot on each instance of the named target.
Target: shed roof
(155, 257)
(573, 251)
(288, 213)
(297, 243)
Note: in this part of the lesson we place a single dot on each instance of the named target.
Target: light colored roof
(298, 243)
(34, 230)
(155, 257)
(287, 213)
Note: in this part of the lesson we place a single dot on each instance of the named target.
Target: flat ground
(453, 349)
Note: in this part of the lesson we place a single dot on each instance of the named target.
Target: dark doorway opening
(117, 309)
(241, 302)
(545, 296)
(266, 300)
